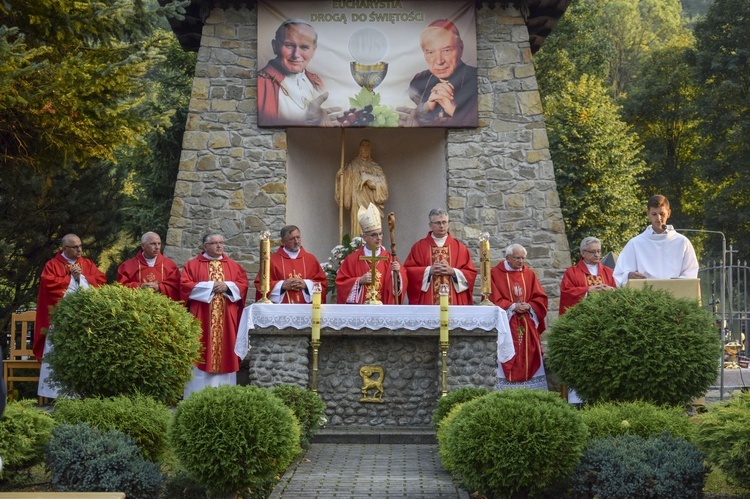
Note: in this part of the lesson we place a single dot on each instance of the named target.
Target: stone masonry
(500, 177)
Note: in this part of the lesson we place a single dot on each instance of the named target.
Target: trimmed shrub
(234, 437)
(307, 407)
(458, 396)
(141, 418)
(630, 466)
(610, 419)
(114, 340)
(724, 436)
(24, 431)
(635, 345)
(442, 436)
(82, 459)
(514, 442)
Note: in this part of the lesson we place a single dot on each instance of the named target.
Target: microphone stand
(723, 298)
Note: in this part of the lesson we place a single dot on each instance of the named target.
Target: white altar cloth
(410, 317)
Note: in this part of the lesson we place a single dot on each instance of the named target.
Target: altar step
(375, 435)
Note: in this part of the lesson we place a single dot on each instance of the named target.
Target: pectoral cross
(373, 261)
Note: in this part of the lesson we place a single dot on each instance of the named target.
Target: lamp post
(723, 297)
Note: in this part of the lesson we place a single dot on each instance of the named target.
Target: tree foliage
(722, 60)
(73, 94)
(596, 164)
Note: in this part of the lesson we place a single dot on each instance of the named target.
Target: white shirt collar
(440, 241)
(292, 254)
(205, 255)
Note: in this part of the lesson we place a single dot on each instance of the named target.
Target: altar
(400, 343)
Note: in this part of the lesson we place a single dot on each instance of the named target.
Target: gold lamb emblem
(368, 383)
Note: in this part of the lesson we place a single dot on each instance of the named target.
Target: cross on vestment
(373, 261)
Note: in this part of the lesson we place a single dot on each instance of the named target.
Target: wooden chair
(20, 351)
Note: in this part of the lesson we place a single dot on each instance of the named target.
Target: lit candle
(317, 289)
(443, 312)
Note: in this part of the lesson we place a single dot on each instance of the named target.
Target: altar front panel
(352, 337)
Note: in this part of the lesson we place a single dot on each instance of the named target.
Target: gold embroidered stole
(440, 255)
(217, 308)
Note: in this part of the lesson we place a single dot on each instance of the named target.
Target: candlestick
(443, 312)
(265, 266)
(484, 267)
(316, 311)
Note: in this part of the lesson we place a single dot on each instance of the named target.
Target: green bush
(234, 437)
(442, 436)
(724, 436)
(141, 418)
(181, 485)
(629, 466)
(458, 396)
(82, 459)
(114, 340)
(635, 345)
(307, 407)
(24, 431)
(514, 442)
(609, 419)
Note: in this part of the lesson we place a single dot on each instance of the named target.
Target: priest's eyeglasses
(593, 252)
(440, 222)
(214, 243)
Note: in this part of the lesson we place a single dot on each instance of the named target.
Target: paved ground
(358, 470)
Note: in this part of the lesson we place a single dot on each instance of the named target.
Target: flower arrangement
(338, 253)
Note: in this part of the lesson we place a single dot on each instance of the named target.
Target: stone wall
(411, 361)
(500, 177)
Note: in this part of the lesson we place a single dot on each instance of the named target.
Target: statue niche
(361, 182)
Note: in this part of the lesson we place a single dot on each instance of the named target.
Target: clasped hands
(367, 277)
(75, 271)
(600, 287)
(522, 307)
(442, 268)
(153, 286)
(220, 287)
(293, 284)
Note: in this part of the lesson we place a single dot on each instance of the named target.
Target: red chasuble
(52, 287)
(352, 268)
(134, 272)
(423, 254)
(509, 287)
(220, 317)
(576, 281)
(283, 267)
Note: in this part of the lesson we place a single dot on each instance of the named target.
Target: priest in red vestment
(354, 277)
(516, 289)
(66, 273)
(439, 259)
(293, 271)
(587, 276)
(215, 288)
(149, 269)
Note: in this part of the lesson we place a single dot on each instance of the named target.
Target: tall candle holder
(315, 334)
(265, 266)
(484, 267)
(444, 340)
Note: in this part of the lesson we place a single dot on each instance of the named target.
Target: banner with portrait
(367, 63)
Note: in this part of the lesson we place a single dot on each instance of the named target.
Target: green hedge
(632, 344)
(459, 396)
(114, 340)
(142, 418)
(307, 407)
(24, 431)
(637, 418)
(724, 436)
(234, 437)
(514, 442)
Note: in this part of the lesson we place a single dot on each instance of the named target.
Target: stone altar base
(411, 362)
